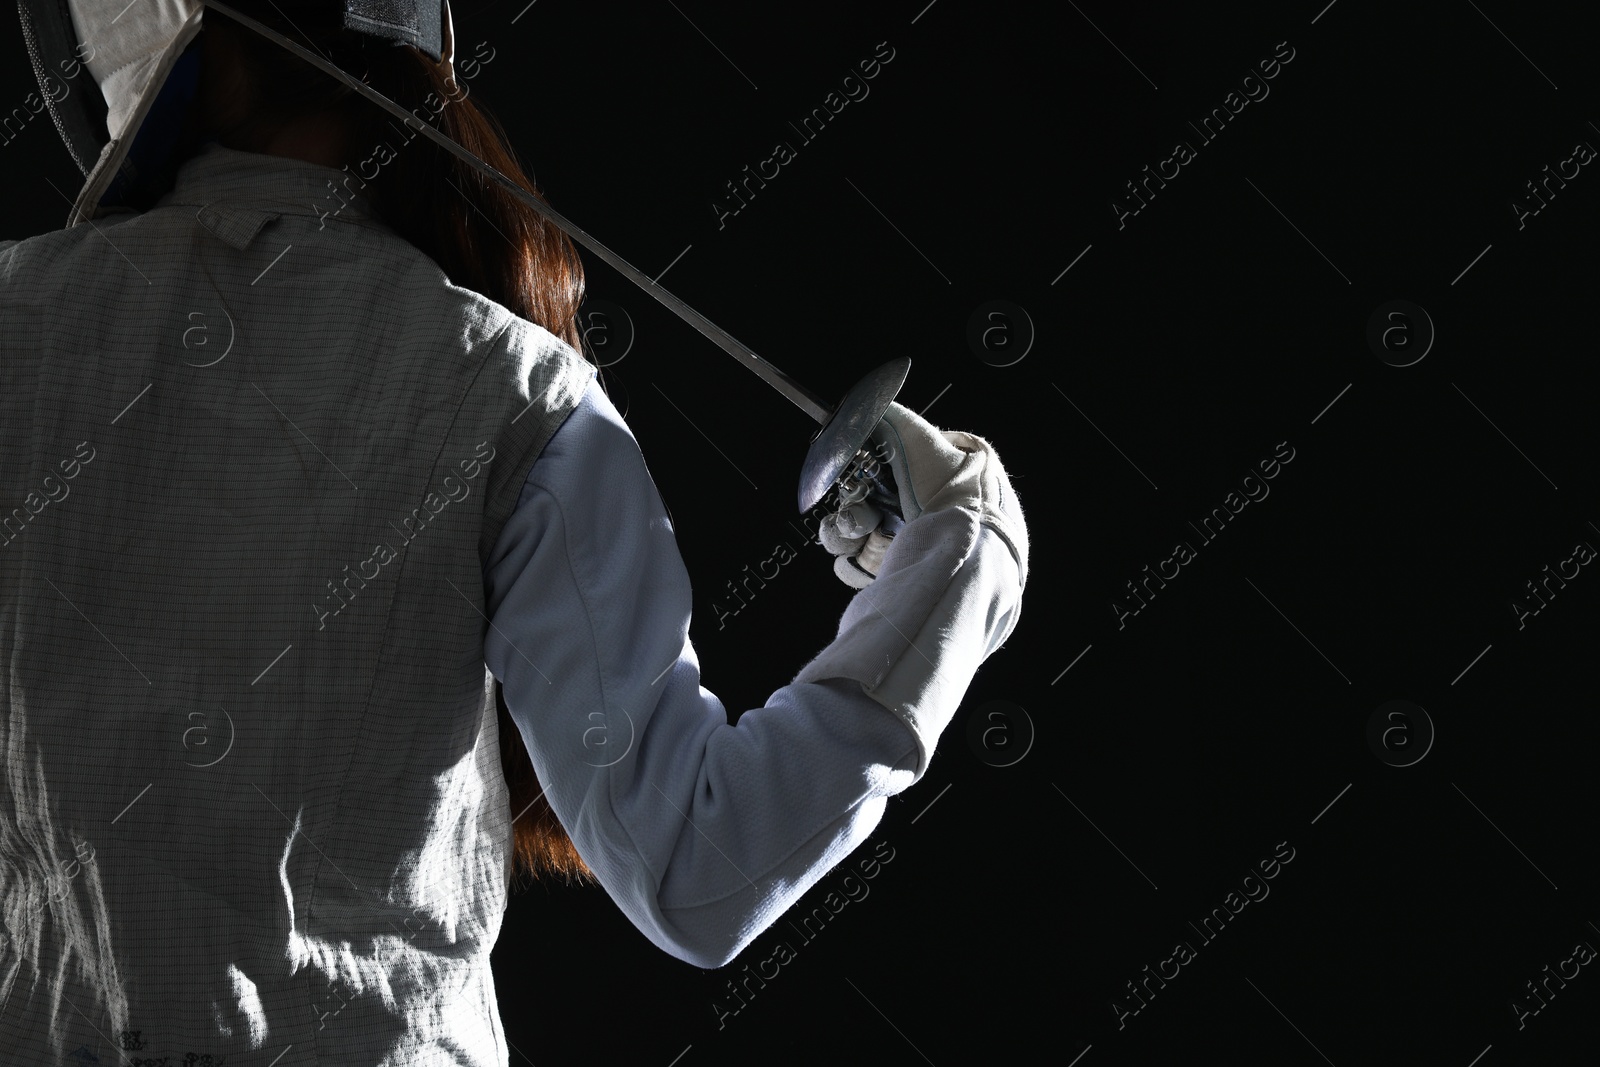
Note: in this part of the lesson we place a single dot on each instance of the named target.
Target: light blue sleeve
(702, 833)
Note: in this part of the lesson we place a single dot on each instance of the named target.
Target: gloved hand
(932, 469)
(852, 535)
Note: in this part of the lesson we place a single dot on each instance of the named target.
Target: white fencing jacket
(277, 504)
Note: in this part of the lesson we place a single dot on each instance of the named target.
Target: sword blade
(803, 398)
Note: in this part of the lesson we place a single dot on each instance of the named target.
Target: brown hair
(485, 240)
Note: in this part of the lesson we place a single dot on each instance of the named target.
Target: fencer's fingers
(870, 558)
(839, 542)
(858, 520)
(850, 574)
(857, 559)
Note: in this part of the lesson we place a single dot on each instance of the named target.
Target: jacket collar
(236, 187)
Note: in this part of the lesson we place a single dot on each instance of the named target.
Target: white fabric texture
(701, 831)
(131, 46)
(333, 884)
(252, 463)
(947, 595)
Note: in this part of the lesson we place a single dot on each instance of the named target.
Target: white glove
(852, 535)
(932, 469)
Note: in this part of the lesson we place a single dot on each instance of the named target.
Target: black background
(1229, 715)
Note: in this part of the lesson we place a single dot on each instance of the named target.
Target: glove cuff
(982, 485)
(939, 469)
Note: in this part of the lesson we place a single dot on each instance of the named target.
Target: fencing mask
(143, 58)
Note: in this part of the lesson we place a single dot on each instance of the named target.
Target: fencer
(311, 523)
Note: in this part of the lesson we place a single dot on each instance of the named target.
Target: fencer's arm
(705, 833)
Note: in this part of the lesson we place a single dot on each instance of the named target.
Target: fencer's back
(255, 455)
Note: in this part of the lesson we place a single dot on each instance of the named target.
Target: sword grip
(867, 478)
